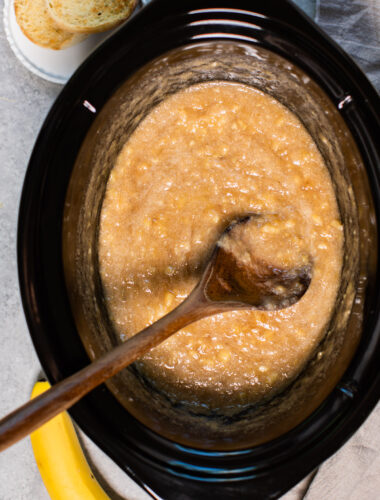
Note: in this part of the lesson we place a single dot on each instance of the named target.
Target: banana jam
(200, 158)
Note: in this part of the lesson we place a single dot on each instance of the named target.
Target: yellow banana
(60, 459)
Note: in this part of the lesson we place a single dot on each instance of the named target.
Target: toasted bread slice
(33, 18)
(90, 16)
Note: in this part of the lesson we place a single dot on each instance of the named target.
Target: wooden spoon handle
(66, 393)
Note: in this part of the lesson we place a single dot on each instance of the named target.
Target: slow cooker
(165, 47)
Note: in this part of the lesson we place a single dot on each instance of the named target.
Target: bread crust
(90, 16)
(36, 24)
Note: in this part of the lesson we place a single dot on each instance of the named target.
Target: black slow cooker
(167, 45)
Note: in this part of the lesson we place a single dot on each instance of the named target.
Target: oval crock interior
(227, 428)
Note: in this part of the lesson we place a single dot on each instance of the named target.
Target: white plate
(53, 65)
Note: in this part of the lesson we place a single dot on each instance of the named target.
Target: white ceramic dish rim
(52, 65)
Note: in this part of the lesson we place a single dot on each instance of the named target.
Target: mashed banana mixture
(203, 156)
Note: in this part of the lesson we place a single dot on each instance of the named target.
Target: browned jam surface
(203, 156)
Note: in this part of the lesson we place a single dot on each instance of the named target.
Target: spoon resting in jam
(233, 278)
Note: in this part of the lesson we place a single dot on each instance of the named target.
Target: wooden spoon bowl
(228, 282)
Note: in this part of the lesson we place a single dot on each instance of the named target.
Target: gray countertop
(24, 102)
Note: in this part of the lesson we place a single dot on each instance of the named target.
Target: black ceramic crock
(165, 468)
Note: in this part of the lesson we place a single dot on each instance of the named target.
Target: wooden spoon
(227, 283)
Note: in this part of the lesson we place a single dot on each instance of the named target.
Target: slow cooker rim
(27, 207)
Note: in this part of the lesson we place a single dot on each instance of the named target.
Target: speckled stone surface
(24, 102)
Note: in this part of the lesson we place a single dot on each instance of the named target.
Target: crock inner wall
(227, 428)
